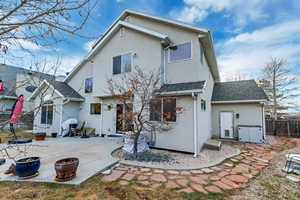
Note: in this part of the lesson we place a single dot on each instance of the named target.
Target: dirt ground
(272, 183)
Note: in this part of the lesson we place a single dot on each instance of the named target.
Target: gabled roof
(187, 87)
(238, 91)
(204, 37)
(61, 88)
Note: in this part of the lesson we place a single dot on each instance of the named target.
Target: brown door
(120, 111)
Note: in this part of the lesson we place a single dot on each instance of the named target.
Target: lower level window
(47, 114)
(163, 109)
(95, 109)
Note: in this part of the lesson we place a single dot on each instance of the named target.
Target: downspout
(195, 98)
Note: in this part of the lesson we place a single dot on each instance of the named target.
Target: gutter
(195, 99)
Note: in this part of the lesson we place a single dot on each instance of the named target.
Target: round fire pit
(66, 169)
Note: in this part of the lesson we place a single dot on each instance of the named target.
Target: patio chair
(78, 130)
(292, 163)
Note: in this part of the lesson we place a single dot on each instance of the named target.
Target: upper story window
(181, 52)
(122, 63)
(88, 85)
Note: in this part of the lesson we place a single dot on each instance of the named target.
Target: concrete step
(213, 144)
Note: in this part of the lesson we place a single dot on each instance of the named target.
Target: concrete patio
(94, 156)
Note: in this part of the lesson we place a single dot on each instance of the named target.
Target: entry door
(226, 124)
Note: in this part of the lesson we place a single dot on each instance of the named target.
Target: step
(213, 144)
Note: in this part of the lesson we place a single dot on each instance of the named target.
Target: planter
(66, 169)
(40, 136)
(54, 135)
(27, 167)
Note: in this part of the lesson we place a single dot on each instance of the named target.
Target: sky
(247, 34)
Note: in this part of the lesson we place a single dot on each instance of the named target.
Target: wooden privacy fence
(290, 128)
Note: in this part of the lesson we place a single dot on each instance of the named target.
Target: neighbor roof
(62, 88)
(238, 91)
(182, 87)
(205, 39)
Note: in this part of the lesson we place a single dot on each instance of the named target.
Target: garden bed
(179, 160)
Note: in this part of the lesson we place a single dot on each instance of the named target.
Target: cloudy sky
(246, 33)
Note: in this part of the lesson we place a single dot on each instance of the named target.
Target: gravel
(182, 161)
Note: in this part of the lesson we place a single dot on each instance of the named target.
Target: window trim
(47, 110)
(91, 109)
(175, 61)
(162, 110)
(132, 64)
(92, 78)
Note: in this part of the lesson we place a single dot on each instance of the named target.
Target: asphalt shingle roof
(176, 87)
(238, 90)
(65, 90)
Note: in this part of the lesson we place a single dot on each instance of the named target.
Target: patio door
(123, 123)
(226, 124)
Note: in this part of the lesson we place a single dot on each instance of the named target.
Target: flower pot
(40, 136)
(27, 167)
(54, 135)
(66, 169)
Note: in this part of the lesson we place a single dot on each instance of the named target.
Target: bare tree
(41, 22)
(138, 92)
(280, 85)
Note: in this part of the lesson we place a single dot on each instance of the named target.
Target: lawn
(94, 189)
(5, 136)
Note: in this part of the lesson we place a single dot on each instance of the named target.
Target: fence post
(288, 128)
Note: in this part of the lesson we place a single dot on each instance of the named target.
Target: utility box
(252, 134)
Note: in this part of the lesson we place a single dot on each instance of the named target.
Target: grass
(5, 136)
(94, 189)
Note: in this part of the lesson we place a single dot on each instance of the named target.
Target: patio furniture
(292, 164)
(78, 130)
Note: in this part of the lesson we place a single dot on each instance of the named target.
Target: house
(19, 81)
(184, 54)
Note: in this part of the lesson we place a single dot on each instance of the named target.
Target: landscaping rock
(222, 185)
(116, 174)
(158, 178)
(238, 178)
(171, 185)
(207, 170)
(196, 171)
(198, 188)
(182, 182)
(186, 190)
(213, 189)
(128, 177)
(124, 182)
(173, 172)
(185, 173)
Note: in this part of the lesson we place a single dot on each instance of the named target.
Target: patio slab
(94, 157)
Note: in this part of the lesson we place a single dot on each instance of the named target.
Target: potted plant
(54, 135)
(66, 169)
(25, 168)
(40, 136)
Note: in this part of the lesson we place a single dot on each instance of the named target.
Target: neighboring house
(19, 81)
(184, 55)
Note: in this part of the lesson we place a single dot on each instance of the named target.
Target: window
(47, 113)
(163, 109)
(122, 64)
(95, 109)
(181, 52)
(203, 104)
(88, 85)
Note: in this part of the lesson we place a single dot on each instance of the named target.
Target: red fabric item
(1, 87)
(17, 111)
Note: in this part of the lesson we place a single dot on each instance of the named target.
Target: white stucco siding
(180, 136)
(205, 116)
(180, 71)
(249, 114)
(71, 110)
(57, 109)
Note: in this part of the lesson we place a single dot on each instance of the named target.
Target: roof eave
(240, 101)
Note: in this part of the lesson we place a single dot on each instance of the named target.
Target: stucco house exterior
(184, 54)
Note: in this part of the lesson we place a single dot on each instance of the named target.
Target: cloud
(248, 52)
(240, 10)
(88, 45)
